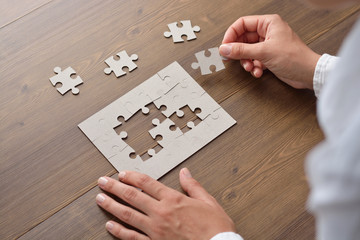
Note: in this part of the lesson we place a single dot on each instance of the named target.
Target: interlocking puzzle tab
(172, 87)
(205, 62)
(68, 83)
(117, 66)
(185, 30)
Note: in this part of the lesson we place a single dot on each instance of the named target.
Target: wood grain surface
(49, 168)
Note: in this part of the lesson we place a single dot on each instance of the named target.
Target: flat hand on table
(164, 212)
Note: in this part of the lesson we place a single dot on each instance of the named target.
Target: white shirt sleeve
(325, 64)
(227, 236)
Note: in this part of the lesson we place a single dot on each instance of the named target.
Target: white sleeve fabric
(227, 236)
(333, 166)
(323, 67)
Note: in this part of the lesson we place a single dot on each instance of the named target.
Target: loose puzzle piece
(68, 83)
(177, 32)
(116, 66)
(162, 89)
(205, 62)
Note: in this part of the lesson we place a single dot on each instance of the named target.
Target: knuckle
(130, 194)
(132, 236)
(143, 180)
(276, 17)
(163, 212)
(126, 215)
(117, 232)
(238, 50)
(175, 199)
(159, 191)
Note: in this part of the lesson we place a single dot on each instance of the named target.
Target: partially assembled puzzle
(173, 88)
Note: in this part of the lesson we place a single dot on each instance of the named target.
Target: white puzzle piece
(163, 129)
(185, 30)
(68, 83)
(116, 66)
(205, 62)
(164, 88)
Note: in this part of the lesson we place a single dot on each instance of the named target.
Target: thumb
(242, 50)
(193, 187)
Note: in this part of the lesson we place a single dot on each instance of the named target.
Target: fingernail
(225, 49)
(186, 173)
(122, 175)
(245, 65)
(102, 181)
(109, 225)
(100, 198)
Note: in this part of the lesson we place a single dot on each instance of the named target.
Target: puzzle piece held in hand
(177, 32)
(68, 83)
(205, 62)
(116, 66)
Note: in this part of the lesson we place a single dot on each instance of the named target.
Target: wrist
(312, 61)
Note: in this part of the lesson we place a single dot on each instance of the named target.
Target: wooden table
(49, 169)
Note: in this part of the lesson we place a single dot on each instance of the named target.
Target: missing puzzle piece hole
(121, 119)
(158, 138)
(132, 155)
(197, 110)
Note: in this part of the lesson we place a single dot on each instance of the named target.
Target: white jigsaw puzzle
(172, 87)
(205, 62)
(68, 83)
(117, 66)
(185, 30)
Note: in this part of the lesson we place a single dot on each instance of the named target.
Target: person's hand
(267, 42)
(163, 213)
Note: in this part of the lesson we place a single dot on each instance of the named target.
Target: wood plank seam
(31, 11)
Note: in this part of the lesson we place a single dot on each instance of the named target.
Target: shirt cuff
(324, 65)
(227, 236)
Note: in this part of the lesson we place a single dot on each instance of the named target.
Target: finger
(243, 50)
(122, 212)
(127, 193)
(257, 72)
(249, 37)
(256, 24)
(193, 187)
(247, 64)
(122, 232)
(149, 185)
